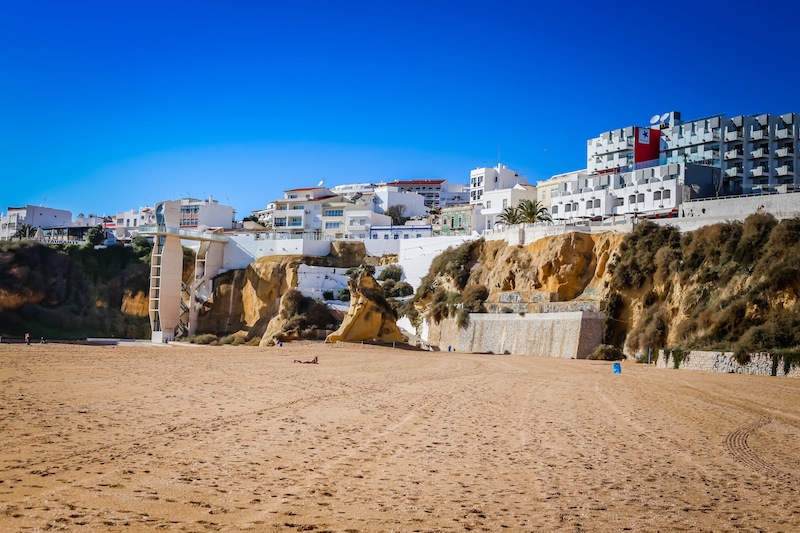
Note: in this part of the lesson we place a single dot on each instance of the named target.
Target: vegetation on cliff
(71, 292)
(444, 290)
(731, 286)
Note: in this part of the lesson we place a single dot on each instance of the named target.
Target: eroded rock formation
(370, 317)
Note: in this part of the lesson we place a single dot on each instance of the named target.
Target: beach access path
(141, 437)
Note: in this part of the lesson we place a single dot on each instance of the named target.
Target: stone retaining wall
(760, 364)
(568, 335)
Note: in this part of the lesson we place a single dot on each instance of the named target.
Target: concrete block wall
(566, 335)
(760, 364)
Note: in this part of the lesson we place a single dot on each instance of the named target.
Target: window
(405, 236)
(666, 195)
(374, 235)
(297, 207)
(657, 195)
(555, 209)
(632, 199)
(619, 201)
(588, 204)
(396, 236)
(640, 197)
(295, 221)
(331, 225)
(386, 237)
(419, 235)
(597, 202)
(488, 204)
(333, 213)
(505, 203)
(568, 208)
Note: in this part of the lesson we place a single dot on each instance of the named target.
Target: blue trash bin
(618, 368)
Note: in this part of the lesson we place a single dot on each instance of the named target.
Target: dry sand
(374, 439)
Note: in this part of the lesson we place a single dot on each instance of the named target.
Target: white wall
(244, 248)
(416, 255)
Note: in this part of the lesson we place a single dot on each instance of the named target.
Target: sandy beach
(374, 439)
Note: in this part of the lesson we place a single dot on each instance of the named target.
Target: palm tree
(533, 211)
(510, 216)
(24, 231)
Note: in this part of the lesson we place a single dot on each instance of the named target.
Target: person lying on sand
(308, 361)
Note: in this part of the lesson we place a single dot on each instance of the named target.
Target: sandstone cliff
(249, 300)
(370, 317)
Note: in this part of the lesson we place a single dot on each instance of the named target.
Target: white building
(89, 221)
(741, 155)
(386, 196)
(353, 190)
(350, 220)
(482, 180)
(299, 211)
(435, 192)
(653, 191)
(208, 213)
(545, 188)
(410, 230)
(35, 216)
(126, 224)
(494, 202)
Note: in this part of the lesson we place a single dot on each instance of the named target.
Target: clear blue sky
(106, 106)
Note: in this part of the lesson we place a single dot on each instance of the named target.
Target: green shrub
(473, 298)
(343, 295)
(393, 272)
(206, 338)
(327, 295)
(606, 352)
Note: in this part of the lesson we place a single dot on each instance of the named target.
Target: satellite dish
(655, 119)
(665, 117)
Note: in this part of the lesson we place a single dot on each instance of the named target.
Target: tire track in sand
(737, 445)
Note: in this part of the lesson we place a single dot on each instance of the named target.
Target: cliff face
(732, 286)
(249, 300)
(72, 292)
(564, 267)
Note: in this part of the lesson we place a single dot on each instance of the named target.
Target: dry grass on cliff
(728, 286)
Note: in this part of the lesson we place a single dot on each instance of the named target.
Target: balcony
(759, 152)
(784, 170)
(758, 172)
(733, 172)
(731, 136)
(783, 133)
(757, 135)
(784, 152)
(733, 154)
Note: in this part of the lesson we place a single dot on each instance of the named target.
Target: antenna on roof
(498, 154)
(320, 183)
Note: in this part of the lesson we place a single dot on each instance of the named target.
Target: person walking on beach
(28, 339)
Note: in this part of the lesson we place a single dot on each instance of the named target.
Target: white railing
(183, 233)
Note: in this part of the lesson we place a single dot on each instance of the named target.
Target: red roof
(419, 182)
(304, 189)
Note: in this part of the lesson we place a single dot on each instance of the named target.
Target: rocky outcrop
(135, 303)
(13, 300)
(563, 267)
(249, 300)
(370, 316)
